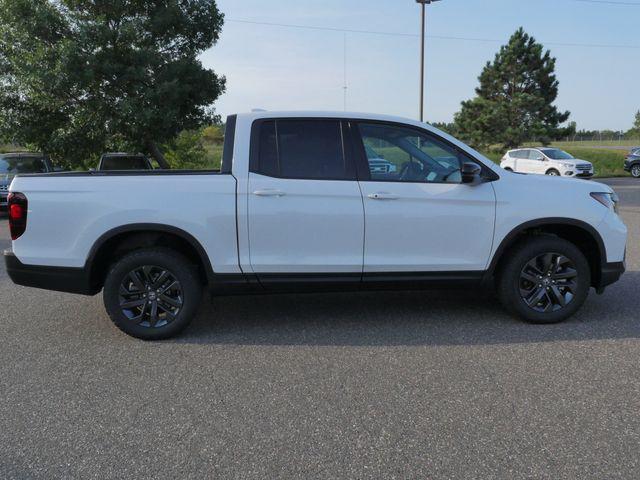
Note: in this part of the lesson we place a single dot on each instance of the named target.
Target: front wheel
(152, 294)
(544, 280)
(635, 171)
(553, 173)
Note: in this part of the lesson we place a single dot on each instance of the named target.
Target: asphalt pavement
(440, 384)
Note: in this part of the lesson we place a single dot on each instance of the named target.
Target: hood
(575, 161)
(568, 183)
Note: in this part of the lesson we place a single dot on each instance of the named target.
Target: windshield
(557, 154)
(14, 165)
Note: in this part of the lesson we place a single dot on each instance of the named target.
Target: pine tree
(514, 101)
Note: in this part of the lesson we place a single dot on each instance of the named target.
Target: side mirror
(541, 159)
(470, 173)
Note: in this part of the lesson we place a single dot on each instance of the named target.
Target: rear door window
(301, 149)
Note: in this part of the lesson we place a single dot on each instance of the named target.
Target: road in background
(436, 384)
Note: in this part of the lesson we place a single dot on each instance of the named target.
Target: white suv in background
(546, 161)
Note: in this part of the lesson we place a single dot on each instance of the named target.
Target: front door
(305, 209)
(419, 216)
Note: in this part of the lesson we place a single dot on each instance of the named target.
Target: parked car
(546, 161)
(20, 162)
(287, 212)
(377, 162)
(124, 161)
(632, 162)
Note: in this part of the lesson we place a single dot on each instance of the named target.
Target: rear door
(421, 218)
(305, 212)
(537, 162)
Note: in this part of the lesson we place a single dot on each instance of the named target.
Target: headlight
(609, 200)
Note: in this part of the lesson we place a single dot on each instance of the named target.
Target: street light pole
(423, 4)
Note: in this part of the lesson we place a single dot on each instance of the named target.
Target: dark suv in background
(632, 162)
(13, 163)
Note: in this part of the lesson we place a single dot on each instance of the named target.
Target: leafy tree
(187, 151)
(635, 130)
(213, 134)
(80, 77)
(515, 98)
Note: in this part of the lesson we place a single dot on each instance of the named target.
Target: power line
(610, 2)
(413, 35)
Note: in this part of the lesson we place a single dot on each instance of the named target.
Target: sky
(284, 68)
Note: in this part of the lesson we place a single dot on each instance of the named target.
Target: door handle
(269, 193)
(383, 196)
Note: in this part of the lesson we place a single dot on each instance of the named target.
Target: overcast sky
(278, 68)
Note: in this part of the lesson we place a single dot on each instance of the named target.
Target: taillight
(17, 205)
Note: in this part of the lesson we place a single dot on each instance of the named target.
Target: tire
(553, 172)
(635, 171)
(508, 169)
(129, 298)
(516, 282)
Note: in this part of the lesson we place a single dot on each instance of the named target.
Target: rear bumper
(61, 279)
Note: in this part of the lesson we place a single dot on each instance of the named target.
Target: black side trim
(61, 279)
(337, 282)
(152, 227)
(229, 144)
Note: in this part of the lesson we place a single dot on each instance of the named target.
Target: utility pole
(344, 88)
(423, 4)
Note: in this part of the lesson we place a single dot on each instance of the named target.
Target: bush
(187, 152)
(213, 134)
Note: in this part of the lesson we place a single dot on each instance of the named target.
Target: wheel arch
(581, 234)
(125, 238)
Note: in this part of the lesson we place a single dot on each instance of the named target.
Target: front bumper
(609, 273)
(61, 279)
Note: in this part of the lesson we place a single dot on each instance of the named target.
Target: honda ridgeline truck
(299, 205)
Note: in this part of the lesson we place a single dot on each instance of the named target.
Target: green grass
(597, 143)
(607, 163)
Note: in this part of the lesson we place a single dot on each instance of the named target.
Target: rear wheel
(544, 280)
(553, 172)
(152, 294)
(635, 171)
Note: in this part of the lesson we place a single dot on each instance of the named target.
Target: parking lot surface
(440, 384)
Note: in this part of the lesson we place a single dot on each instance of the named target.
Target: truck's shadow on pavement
(456, 317)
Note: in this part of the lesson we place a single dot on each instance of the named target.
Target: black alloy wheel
(151, 296)
(543, 279)
(548, 282)
(152, 293)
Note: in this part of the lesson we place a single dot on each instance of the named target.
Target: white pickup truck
(297, 206)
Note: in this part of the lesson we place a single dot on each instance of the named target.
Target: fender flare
(511, 237)
(150, 227)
